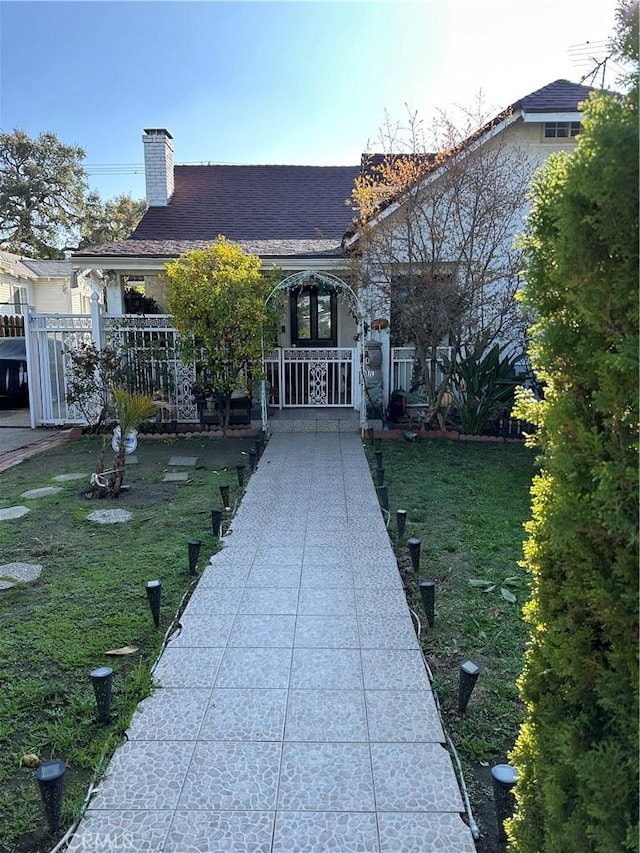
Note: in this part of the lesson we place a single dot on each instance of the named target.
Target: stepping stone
(184, 461)
(109, 516)
(66, 478)
(13, 512)
(41, 493)
(177, 477)
(18, 573)
(131, 460)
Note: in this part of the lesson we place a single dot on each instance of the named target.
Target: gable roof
(273, 211)
(557, 97)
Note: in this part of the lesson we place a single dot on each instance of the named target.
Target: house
(334, 334)
(49, 287)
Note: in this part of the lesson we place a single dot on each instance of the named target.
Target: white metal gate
(149, 345)
(321, 377)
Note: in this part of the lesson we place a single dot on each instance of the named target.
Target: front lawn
(90, 599)
(467, 502)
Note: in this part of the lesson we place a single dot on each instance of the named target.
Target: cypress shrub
(577, 752)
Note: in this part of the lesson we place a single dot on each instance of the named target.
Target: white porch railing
(403, 361)
(319, 377)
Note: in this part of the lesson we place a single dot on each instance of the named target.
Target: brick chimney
(158, 166)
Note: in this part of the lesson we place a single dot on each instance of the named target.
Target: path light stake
(101, 679)
(380, 476)
(383, 497)
(50, 776)
(194, 553)
(377, 443)
(428, 593)
(216, 521)
(378, 459)
(241, 469)
(503, 777)
(224, 494)
(259, 447)
(253, 460)
(414, 552)
(401, 520)
(370, 433)
(469, 673)
(154, 594)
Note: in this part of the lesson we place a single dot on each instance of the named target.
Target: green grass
(467, 502)
(90, 598)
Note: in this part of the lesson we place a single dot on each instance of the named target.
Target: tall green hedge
(577, 752)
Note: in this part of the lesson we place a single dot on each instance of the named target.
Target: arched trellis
(329, 284)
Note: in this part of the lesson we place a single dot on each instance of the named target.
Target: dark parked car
(13, 368)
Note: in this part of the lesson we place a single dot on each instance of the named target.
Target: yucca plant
(129, 410)
(483, 386)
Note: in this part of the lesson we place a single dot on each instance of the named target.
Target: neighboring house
(296, 218)
(49, 287)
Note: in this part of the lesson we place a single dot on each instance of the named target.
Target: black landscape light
(194, 553)
(216, 521)
(401, 520)
(377, 443)
(503, 777)
(380, 476)
(378, 459)
(428, 593)
(468, 676)
(241, 469)
(101, 679)
(154, 594)
(383, 497)
(258, 447)
(370, 433)
(253, 460)
(50, 776)
(414, 552)
(224, 494)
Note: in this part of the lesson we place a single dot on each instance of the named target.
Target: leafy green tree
(107, 221)
(42, 191)
(577, 752)
(217, 297)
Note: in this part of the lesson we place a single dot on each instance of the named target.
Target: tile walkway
(294, 711)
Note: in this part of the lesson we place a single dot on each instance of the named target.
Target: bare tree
(434, 238)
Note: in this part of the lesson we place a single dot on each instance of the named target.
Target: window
(313, 318)
(561, 129)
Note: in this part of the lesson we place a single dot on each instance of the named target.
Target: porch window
(313, 318)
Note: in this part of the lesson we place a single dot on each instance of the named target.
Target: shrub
(577, 751)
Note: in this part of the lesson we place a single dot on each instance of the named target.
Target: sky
(273, 82)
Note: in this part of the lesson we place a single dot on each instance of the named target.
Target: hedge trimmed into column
(577, 752)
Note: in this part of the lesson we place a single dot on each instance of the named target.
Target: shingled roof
(273, 211)
(559, 96)
(279, 211)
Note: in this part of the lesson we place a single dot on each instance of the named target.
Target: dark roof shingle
(559, 96)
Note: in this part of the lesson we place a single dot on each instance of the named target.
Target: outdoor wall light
(101, 679)
(428, 594)
(224, 494)
(468, 676)
(380, 476)
(414, 552)
(154, 594)
(383, 497)
(194, 553)
(50, 777)
(253, 460)
(216, 521)
(401, 520)
(503, 777)
(378, 459)
(240, 469)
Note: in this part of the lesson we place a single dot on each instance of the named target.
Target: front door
(313, 318)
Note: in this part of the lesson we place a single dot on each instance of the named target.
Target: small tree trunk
(117, 475)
